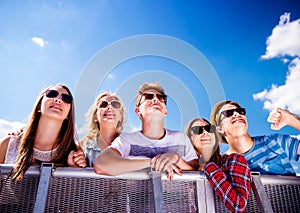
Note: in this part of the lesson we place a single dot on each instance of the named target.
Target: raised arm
(281, 117)
(110, 162)
(231, 182)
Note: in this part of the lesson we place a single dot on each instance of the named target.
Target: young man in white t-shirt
(154, 146)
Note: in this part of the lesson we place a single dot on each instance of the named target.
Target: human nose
(155, 98)
(58, 99)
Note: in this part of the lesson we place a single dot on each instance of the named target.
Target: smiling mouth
(55, 107)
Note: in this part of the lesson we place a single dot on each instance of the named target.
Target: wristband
(178, 159)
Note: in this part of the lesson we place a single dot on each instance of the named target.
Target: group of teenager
(50, 134)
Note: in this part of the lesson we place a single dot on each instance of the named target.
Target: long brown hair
(216, 157)
(65, 140)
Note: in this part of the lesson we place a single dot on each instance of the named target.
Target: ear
(137, 111)
(166, 113)
(220, 129)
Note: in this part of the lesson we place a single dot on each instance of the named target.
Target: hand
(76, 159)
(279, 118)
(17, 132)
(166, 163)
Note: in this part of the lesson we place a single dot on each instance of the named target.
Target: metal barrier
(49, 189)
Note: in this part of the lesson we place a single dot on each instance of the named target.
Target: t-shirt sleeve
(122, 145)
(290, 144)
(190, 153)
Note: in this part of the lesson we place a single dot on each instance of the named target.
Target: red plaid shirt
(231, 182)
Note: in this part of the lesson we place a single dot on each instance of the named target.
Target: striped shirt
(273, 154)
(231, 182)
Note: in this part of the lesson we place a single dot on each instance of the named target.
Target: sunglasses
(115, 104)
(149, 96)
(64, 97)
(198, 130)
(230, 112)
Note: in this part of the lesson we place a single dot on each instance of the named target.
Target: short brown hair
(215, 118)
(148, 86)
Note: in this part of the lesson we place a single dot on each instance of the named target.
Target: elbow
(100, 171)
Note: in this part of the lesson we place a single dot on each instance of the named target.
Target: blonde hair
(65, 140)
(93, 128)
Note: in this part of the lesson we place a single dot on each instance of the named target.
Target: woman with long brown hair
(49, 135)
(229, 175)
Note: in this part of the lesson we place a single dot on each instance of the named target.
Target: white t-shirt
(136, 145)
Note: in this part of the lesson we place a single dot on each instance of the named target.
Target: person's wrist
(177, 162)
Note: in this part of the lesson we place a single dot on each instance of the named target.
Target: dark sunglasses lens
(197, 130)
(103, 104)
(228, 113)
(161, 97)
(148, 96)
(209, 128)
(241, 111)
(67, 98)
(116, 104)
(51, 93)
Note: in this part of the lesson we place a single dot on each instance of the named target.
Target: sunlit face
(55, 107)
(235, 124)
(204, 140)
(109, 111)
(151, 106)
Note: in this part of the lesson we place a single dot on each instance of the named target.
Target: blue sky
(249, 49)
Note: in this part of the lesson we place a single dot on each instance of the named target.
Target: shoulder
(4, 143)
(175, 134)
(234, 157)
(5, 140)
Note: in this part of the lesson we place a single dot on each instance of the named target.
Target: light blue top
(274, 154)
(91, 151)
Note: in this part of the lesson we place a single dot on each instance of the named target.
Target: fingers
(275, 117)
(163, 163)
(79, 158)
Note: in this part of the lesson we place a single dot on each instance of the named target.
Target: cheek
(194, 140)
(67, 109)
(43, 104)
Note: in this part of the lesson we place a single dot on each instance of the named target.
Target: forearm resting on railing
(110, 162)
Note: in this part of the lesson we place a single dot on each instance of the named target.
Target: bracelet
(178, 159)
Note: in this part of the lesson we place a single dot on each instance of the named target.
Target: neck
(240, 144)
(107, 134)
(47, 134)
(153, 130)
(205, 154)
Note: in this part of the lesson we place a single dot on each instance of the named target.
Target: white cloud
(284, 41)
(39, 41)
(8, 126)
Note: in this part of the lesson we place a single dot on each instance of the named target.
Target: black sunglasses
(115, 104)
(199, 129)
(65, 97)
(230, 112)
(149, 96)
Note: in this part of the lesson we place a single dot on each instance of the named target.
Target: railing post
(201, 195)
(209, 197)
(262, 199)
(41, 197)
(158, 194)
